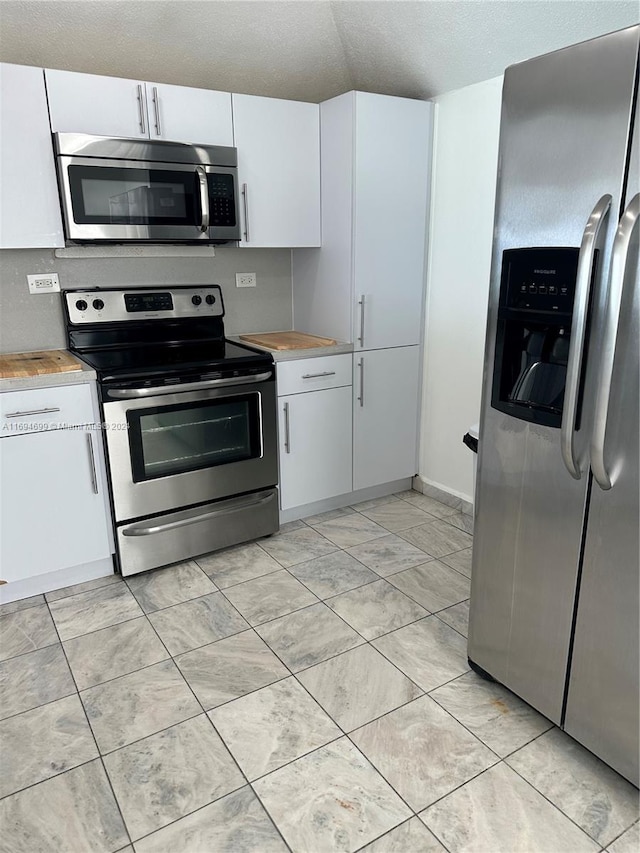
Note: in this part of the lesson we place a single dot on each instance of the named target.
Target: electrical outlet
(44, 283)
(245, 279)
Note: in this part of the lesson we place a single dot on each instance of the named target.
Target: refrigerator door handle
(619, 259)
(578, 328)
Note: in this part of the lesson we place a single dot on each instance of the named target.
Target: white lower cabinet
(315, 441)
(385, 415)
(54, 514)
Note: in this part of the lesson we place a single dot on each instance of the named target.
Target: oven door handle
(136, 393)
(143, 529)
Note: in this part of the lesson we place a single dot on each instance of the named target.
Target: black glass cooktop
(210, 355)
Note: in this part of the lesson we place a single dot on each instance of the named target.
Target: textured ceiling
(306, 50)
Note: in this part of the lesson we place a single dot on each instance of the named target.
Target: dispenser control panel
(539, 279)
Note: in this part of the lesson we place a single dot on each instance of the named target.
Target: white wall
(460, 237)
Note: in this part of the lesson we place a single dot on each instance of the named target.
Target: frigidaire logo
(545, 272)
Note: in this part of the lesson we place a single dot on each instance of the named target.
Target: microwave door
(112, 200)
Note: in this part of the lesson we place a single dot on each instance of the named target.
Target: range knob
(81, 305)
(210, 299)
(98, 304)
(196, 299)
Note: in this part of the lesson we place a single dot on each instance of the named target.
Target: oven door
(140, 201)
(174, 450)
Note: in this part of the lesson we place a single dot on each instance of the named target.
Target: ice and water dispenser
(534, 329)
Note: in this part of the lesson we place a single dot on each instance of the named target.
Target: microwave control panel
(222, 207)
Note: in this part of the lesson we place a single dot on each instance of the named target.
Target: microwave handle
(204, 197)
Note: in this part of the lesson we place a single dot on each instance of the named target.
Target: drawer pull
(316, 375)
(32, 412)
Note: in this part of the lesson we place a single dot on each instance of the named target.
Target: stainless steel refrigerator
(554, 592)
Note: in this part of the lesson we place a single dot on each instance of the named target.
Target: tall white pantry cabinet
(366, 284)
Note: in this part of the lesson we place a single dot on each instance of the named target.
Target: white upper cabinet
(367, 282)
(29, 205)
(114, 106)
(101, 106)
(391, 193)
(182, 114)
(278, 146)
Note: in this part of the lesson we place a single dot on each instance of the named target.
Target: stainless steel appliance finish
(190, 421)
(554, 599)
(132, 190)
(134, 497)
(146, 544)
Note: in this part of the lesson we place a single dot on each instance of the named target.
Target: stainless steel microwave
(146, 191)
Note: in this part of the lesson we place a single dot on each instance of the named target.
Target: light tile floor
(307, 692)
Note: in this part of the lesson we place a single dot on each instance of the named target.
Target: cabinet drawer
(313, 374)
(44, 408)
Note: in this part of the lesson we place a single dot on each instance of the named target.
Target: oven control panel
(86, 307)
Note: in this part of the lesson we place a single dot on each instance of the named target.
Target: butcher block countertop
(299, 344)
(41, 369)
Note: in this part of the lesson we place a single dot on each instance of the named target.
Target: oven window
(167, 440)
(103, 195)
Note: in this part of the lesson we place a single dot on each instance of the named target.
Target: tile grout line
(251, 627)
(88, 721)
(501, 760)
(543, 795)
(202, 712)
(222, 740)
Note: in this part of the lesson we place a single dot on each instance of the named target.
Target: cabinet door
(315, 446)
(52, 514)
(391, 186)
(102, 106)
(278, 146)
(29, 204)
(182, 114)
(386, 399)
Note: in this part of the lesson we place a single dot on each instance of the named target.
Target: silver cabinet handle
(134, 393)
(204, 197)
(92, 463)
(287, 429)
(361, 335)
(361, 369)
(141, 111)
(619, 259)
(156, 110)
(578, 326)
(142, 529)
(317, 375)
(32, 412)
(245, 205)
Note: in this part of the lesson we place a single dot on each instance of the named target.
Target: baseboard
(344, 500)
(446, 496)
(27, 587)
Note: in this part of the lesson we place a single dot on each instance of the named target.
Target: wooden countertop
(20, 365)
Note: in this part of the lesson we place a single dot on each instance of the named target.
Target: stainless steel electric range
(189, 418)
